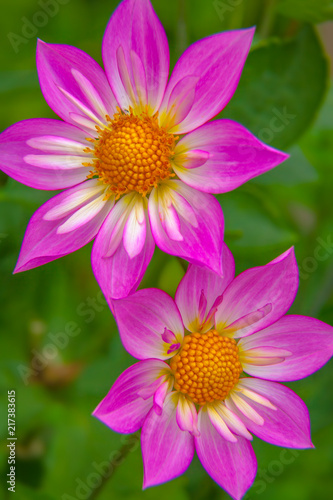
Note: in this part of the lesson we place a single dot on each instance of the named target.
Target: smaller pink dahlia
(208, 388)
(133, 152)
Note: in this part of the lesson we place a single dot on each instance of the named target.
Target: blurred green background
(59, 345)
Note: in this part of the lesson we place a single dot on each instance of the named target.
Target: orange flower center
(132, 153)
(207, 367)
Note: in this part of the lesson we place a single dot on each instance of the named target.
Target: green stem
(122, 454)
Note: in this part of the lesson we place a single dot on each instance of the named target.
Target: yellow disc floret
(132, 153)
(207, 367)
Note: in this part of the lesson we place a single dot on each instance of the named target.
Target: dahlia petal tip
(249, 31)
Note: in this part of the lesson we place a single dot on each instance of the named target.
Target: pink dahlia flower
(134, 153)
(190, 390)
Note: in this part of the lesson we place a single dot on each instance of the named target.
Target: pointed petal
(232, 465)
(166, 450)
(218, 62)
(261, 294)
(286, 425)
(116, 272)
(200, 245)
(142, 318)
(196, 281)
(136, 55)
(122, 409)
(72, 82)
(56, 163)
(308, 340)
(43, 243)
(230, 156)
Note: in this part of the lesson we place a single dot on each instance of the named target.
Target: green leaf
(313, 11)
(281, 89)
(251, 217)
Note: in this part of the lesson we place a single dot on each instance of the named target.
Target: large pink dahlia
(134, 152)
(190, 391)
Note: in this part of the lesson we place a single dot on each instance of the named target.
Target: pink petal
(43, 242)
(115, 224)
(168, 336)
(201, 224)
(116, 272)
(232, 465)
(309, 341)
(248, 319)
(74, 84)
(123, 409)
(220, 426)
(170, 220)
(142, 318)
(186, 415)
(136, 55)
(83, 215)
(217, 62)
(166, 450)
(192, 159)
(180, 102)
(85, 192)
(233, 156)
(233, 422)
(244, 390)
(135, 230)
(264, 356)
(160, 395)
(200, 282)
(258, 296)
(244, 408)
(286, 425)
(26, 157)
